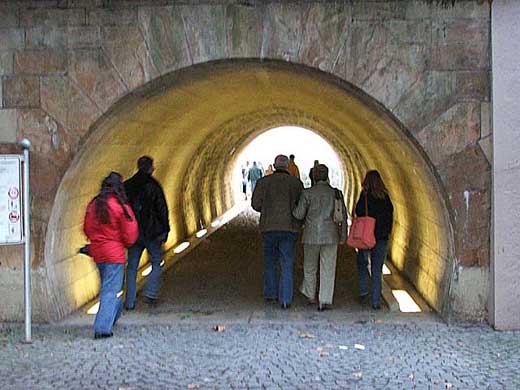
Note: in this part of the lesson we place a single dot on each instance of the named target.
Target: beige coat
(316, 207)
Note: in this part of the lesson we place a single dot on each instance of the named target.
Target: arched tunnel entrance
(195, 122)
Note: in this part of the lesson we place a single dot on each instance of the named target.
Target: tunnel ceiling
(195, 122)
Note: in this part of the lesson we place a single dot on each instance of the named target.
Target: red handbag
(361, 233)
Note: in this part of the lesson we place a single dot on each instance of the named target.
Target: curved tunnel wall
(194, 123)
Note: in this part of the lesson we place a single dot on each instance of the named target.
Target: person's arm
(162, 208)
(89, 222)
(258, 196)
(300, 211)
(360, 205)
(343, 230)
(128, 227)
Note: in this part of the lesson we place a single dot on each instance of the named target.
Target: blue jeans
(153, 281)
(377, 259)
(110, 305)
(279, 245)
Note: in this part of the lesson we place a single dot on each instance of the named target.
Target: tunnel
(195, 122)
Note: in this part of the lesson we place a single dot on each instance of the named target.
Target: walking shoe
(285, 306)
(270, 300)
(324, 306)
(376, 307)
(150, 301)
(130, 308)
(102, 335)
(362, 298)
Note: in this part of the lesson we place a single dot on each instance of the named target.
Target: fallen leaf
(193, 386)
(357, 374)
(359, 346)
(324, 353)
(343, 347)
(307, 336)
(411, 376)
(219, 328)
(449, 385)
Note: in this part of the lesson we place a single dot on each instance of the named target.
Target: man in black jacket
(151, 211)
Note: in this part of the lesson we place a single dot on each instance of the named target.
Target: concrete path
(256, 345)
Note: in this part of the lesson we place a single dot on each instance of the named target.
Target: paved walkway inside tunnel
(223, 278)
(257, 346)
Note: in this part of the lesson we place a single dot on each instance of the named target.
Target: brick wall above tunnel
(64, 64)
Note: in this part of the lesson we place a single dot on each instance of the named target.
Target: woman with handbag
(111, 227)
(374, 202)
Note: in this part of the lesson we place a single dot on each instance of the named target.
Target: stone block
(71, 37)
(460, 57)
(283, 30)
(433, 94)
(204, 27)
(136, 69)
(486, 144)
(467, 9)
(11, 38)
(452, 132)
(62, 99)
(47, 136)
(9, 16)
(325, 35)
(6, 63)
(460, 44)
(473, 85)
(378, 10)
(31, 17)
(21, 91)
(46, 61)
(114, 16)
(96, 77)
(244, 31)
(485, 120)
(8, 126)
(165, 36)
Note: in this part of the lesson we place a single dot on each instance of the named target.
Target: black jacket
(380, 209)
(149, 205)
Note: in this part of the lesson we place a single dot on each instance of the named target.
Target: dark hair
(291, 156)
(145, 164)
(321, 172)
(373, 184)
(112, 185)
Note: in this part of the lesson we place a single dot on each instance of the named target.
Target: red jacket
(108, 241)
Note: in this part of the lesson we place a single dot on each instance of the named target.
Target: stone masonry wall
(64, 63)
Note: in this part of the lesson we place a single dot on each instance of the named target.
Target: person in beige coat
(321, 236)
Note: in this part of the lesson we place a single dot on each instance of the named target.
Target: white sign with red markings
(10, 200)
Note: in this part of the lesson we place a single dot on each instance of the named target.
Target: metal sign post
(26, 146)
(15, 224)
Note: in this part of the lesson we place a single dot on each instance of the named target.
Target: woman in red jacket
(111, 227)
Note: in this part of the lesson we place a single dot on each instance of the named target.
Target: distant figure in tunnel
(379, 207)
(110, 226)
(274, 197)
(293, 168)
(149, 204)
(254, 174)
(321, 236)
(311, 172)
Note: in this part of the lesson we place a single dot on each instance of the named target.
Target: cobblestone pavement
(319, 355)
(175, 346)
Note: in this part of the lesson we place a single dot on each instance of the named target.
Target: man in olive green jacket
(321, 236)
(274, 197)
